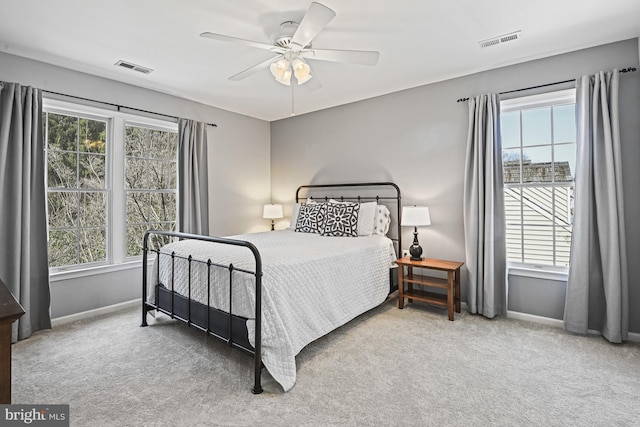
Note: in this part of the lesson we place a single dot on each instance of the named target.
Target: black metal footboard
(220, 324)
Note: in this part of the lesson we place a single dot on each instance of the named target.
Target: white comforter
(311, 285)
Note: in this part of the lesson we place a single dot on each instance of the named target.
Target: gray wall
(417, 138)
(239, 174)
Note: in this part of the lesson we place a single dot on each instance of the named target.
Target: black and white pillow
(311, 218)
(341, 220)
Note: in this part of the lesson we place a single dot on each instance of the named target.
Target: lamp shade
(272, 211)
(415, 216)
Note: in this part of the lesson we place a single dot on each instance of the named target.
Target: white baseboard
(535, 319)
(632, 337)
(58, 321)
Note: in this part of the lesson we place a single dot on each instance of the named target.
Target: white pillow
(382, 220)
(366, 218)
(294, 216)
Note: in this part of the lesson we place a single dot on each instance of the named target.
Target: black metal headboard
(386, 193)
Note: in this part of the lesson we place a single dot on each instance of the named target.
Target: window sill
(537, 273)
(92, 271)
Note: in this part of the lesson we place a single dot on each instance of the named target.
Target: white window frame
(116, 200)
(547, 99)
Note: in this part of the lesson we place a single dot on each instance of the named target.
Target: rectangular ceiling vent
(134, 67)
(500, 39)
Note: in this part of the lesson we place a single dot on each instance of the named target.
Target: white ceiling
(419, 41)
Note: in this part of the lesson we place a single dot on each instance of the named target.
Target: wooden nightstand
(452, 283)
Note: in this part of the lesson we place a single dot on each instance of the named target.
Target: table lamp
(415, 216)
(272, 212)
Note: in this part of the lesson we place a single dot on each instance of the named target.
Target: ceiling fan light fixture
(301, 70)
(281, 70)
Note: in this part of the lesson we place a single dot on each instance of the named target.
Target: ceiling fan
(292, 46)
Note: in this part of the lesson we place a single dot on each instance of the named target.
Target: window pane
(163, 207)
(63, 248)
(173, 174)
(159, 175)
(93, 245)
(514, 243)
(564, 224)
(135, 141)
(563, 197)
(511, 165)
(563, 245)
(536, 126)
(63, 209)
(135, 235)
(537, 205)
(538, 244)
(61, 169)
(565, 158)
(63, 132)
(93, 136)
(510, 129)
(137, 207)
(564, 123)
(135, 175)
(92, 171)
(163, 144)
(536, 166)
(93, 209)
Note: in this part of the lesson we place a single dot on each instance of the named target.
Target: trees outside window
(150, 182)
(108, 182)
(76, 189)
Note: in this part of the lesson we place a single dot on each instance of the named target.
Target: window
(539, 157)
(110, 176)
(150, 182)
(76, 189)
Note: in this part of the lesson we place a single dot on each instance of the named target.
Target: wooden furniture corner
(10, 311)
(450, 300)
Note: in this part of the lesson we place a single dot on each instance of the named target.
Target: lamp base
(415, 250)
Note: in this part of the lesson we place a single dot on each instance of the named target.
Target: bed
(272, 293)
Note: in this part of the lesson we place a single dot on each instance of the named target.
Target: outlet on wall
(405, 252)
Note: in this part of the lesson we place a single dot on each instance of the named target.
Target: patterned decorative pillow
(311, 218)
(341, 220)
(381, 220)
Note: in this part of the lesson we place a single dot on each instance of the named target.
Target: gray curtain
(597, 289)
(193, 181)
(23, 220)
(484, 218)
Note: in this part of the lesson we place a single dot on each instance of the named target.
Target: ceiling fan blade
(362, 57)
(222, 37)
(246, 73)
(316, 18)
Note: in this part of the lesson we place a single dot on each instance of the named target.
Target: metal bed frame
(228, 327)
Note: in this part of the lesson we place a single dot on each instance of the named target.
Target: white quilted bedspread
(311, 285)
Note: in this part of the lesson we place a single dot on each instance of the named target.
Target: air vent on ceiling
(130, 66)
(500, 39)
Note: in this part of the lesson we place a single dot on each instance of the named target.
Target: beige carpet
(387, 367)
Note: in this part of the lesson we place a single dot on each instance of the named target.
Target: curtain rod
(118, 107)
(624, 70)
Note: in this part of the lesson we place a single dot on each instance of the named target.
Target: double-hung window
(110, 177)
(539, 159)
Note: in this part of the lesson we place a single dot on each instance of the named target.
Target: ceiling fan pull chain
(292, 105)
